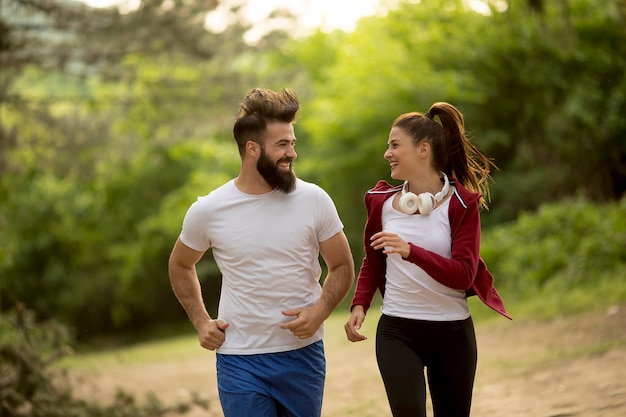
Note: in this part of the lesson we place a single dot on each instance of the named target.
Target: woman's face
(401, 154)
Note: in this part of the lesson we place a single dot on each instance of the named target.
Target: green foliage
(100, 160)
(95, 187)
(569, 256)
(29, 385)
(552, 87)
(403, 62)
(542, 94)
(102, 249)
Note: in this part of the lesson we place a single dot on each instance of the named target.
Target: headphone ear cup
(426, 202)
(408, 202)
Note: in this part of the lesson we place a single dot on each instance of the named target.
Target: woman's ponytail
(457, 156)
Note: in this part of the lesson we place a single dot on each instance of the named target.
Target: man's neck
(252, 184)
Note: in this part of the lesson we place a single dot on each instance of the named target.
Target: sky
(324, 14)
(327, 15)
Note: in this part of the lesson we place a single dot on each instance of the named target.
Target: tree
(107, 144)
(405, 61)
(541, 94)
(553, 91)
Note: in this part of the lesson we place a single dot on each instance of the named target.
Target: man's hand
(308, 320)
(211, 334)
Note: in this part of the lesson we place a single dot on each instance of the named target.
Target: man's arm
(338, 258)
(184, 281)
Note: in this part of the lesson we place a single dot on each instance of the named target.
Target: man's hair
(260, 107)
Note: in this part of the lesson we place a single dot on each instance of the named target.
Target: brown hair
(259, 107)
(452, 151)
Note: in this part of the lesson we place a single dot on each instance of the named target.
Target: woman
(422, 241)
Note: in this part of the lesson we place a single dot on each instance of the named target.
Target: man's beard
(278, 179)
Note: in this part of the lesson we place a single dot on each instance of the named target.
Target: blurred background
(116, 115)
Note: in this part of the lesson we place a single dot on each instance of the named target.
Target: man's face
(277, 155)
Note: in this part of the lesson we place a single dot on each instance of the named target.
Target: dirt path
(563, 368)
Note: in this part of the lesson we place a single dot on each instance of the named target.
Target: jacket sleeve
(459, 271)
(365, 287)
(371, 273)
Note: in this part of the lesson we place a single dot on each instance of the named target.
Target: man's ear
(253, 149)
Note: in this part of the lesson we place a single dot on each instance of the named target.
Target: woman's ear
(423, 149)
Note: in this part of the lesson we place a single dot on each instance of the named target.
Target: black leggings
(448, 351)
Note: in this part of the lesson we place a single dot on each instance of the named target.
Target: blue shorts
(283, 384)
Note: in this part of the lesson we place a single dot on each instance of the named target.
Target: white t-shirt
(267, 249)
(409, 291)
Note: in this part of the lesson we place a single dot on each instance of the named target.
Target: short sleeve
(329, 223)
(194, 234)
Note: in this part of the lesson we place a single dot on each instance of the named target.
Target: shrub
(570, 245)
(29, 386)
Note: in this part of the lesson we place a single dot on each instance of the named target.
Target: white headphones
(425, 202)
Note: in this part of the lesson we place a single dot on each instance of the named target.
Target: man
(266, 229)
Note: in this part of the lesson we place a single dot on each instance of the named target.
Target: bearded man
(266, 229)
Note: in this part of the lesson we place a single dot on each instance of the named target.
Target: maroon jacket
(465, 271)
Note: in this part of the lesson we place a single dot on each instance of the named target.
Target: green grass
(545, 305)
(182, 347)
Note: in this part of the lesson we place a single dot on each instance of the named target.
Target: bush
(570, 247)
(29, 386)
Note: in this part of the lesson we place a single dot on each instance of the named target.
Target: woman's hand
(390, 243)
(354, 324)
